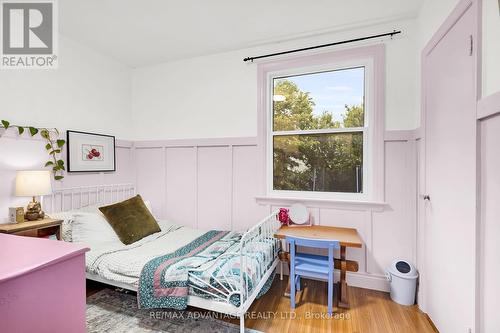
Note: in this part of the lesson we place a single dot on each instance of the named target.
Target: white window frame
(368, 130)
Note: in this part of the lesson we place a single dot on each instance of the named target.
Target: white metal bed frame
(261, 232)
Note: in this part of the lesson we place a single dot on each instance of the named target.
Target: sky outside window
(330, 91)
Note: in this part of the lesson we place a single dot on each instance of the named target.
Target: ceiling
(145, 32)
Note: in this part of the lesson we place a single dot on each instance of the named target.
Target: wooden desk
(347, 237)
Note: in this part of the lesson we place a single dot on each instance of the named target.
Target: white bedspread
(123, 263)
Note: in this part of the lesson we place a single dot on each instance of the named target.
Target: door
(450, 175)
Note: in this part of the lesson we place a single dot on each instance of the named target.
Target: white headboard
(70, 198)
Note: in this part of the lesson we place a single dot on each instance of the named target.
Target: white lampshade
(33, 183)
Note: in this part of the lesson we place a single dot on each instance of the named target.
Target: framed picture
(89, 152)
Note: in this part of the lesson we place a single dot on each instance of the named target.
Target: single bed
(228, 271)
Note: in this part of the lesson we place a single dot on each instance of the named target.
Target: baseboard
(430, 322)
(368, 281)
(360, 280)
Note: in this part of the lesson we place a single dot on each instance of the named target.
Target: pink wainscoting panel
(246, 185)
(387, 234)
(181, 185)
(489, 243)
(394, 230)
(348, 219)
(150, 166)
(214, 187)
(125, 167)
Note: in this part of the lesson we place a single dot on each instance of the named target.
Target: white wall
(215, 96)
(432, 15)
(88, 92)
(491, 47)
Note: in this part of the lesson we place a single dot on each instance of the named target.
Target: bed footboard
(253, 274)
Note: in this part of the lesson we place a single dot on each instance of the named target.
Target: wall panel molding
(402, 135)
(231, 168)
(185, 179)
(488, 239)
(488, 106)
(208, 142)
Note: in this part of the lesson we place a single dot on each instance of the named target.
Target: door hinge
(471, 45)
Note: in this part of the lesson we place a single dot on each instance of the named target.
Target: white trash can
(403, 278)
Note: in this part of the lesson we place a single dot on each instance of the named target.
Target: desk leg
(58, 232)
(287, 290)
(287, 251)
(343, 300)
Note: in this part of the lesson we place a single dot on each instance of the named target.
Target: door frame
(462, 7)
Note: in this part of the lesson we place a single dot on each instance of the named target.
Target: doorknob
(426, 197)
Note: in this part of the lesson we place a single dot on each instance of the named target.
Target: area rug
(114, 311)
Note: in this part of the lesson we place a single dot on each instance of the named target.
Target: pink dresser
(42, 285)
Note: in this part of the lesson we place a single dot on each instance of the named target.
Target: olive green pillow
(130, 219)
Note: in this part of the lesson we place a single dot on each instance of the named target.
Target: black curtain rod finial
(391, 34)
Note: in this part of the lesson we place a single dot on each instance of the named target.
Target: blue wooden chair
(310, 265)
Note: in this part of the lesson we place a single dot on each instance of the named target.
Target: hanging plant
(53, 147)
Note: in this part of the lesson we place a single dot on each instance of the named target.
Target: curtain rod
(391, 34)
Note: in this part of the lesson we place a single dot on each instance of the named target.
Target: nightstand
(40, 227)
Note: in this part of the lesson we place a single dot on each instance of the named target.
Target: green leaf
(49, 163)
(33, 131)
(5, 124)
(58, 177)
(60, 162)
(48, 146)
(20, 130)
(55, 151)
(60, 143)
(55, 168)
(45, 134)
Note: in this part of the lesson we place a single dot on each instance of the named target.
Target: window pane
(322, 163)
(333, 99)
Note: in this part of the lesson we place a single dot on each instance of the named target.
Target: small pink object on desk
(296, 216)
(42, 285)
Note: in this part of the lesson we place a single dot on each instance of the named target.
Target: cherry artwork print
(92, 153)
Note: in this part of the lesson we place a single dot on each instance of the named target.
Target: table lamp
(33, 183)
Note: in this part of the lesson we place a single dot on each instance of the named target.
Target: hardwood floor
(371, 312)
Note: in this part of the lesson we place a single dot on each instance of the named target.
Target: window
(318, 127)
(322, 127)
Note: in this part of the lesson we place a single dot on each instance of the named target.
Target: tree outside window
(318, 143)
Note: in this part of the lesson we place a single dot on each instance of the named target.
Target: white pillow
(66, 225)
(67, 217)
(92, 228)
